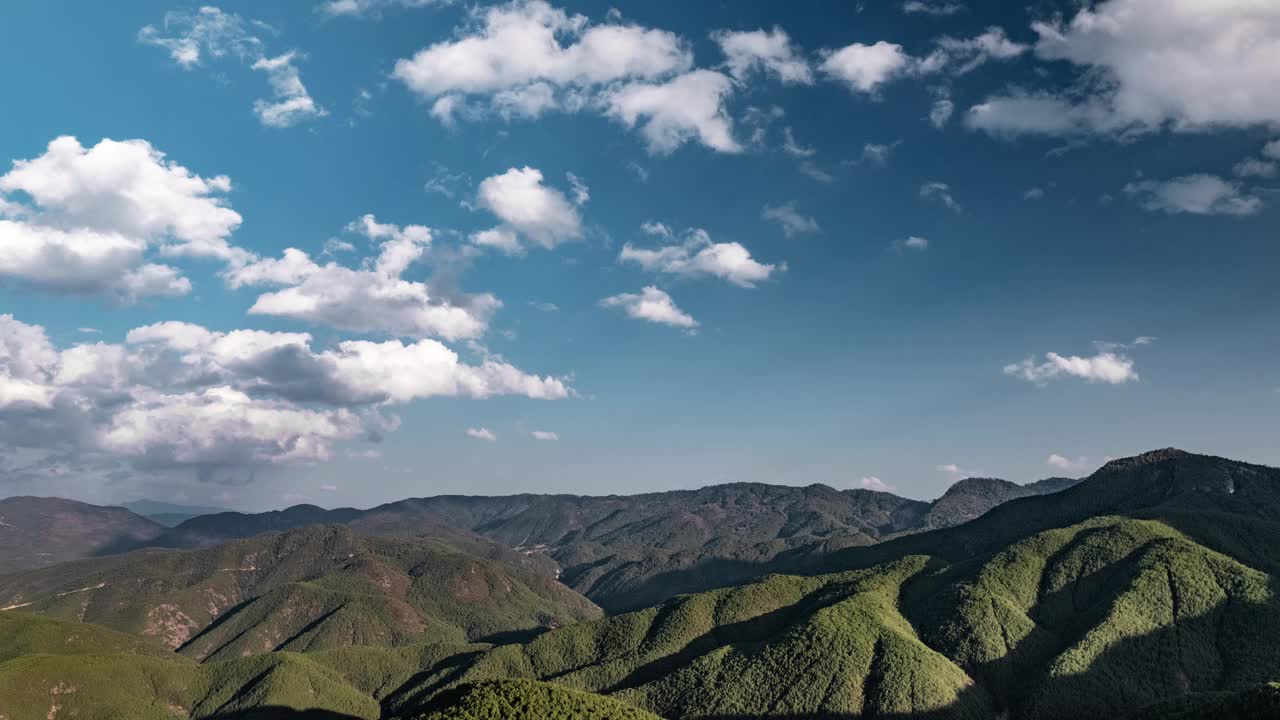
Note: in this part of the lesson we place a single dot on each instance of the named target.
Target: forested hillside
(1149, 590)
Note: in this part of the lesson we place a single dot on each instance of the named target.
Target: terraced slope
(310, 589)
(37, 532)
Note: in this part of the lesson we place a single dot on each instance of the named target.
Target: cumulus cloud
(653, 305)
(696, 255)
(789, 219)
(191, 37)
(481, 433)
(956, 472)
(371, 298)
(291, 103)
(671, 113)
(1107, 366)
(96, 214)
(177, 394)
(1198, 194)
(544, 435)
(221, 426)
(1148, 64)
(767, 51)
(525, 58)
(529, 210)
(864, 68)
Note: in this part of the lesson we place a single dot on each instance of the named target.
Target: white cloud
(1106, 367)
(220, 426)
(1253, 167)
(96, 213)
(942, 193)
(914, 242)
(671, 113)
(653, 305)
(1147, 64)
(130, 188)
(956, 471)
(525, 57)
(528, 209)
(481, 434)
(544, 435)
(793, 148)
(864, 68)
(877, 154)
(962, 56)
(581, 193)
(1272, 150)
(208, 32)
(937, 8)
(1033, 193)
(789, 219)
(291, 104)
(178, 394)
(697, 255)
(941, 111)
(871, 482)
(372, 298)
(1195, 194)
(499, 238)
(1065, 463)
(769, 51)
(357, 8)
(191, 37)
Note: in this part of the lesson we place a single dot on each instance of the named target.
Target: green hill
(1147, 591)
(527, 700)
(309, 589)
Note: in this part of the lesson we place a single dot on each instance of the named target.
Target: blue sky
(684, 244)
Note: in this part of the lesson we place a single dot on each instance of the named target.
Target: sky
(348, 251)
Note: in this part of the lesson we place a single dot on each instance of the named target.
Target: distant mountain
(35, 531)
(169, 514)
(307, 589)
(974, 497)
(629, 551)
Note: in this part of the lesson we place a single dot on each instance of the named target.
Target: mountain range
(1150, 589)
(631, 551)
